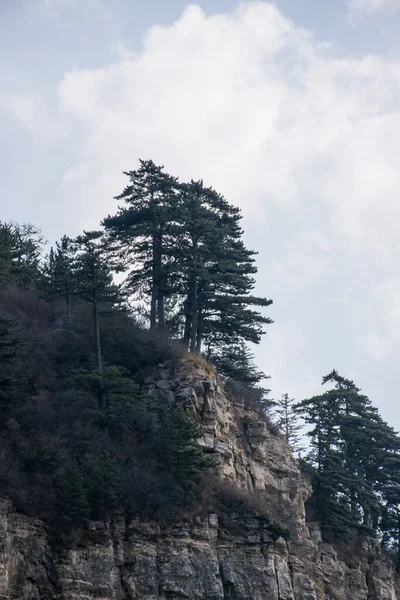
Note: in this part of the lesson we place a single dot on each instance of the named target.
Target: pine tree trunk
(193, 334)
(99, 361)
(161, 311)
(198, 342)
(68, 310)
(153, 306)
(199, 335)
(194, 304)
(154, 289)
(157, 312)
(160, 283)
(287, 431)
(366, 517)
(186, 333)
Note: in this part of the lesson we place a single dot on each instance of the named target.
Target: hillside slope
(210, 556)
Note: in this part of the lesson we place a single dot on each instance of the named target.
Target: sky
(290, 109)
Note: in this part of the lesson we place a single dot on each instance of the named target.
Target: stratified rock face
(26, 562)
(203, 559)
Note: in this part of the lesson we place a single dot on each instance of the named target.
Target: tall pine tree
(288, 422)
(139, 233)
(60, 279)
(182, 246)
(94, 282)
(216, 273)
(350, 444)
(20, 254)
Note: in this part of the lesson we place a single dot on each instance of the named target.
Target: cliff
(200, 558)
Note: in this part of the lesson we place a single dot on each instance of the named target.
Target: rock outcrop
(200, 559)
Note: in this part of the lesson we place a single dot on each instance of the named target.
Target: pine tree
(59, 274)
(139, 233)
(288, 422)
(243, 378)
(183, 246)
(350, 444)
(121, 405)
(390, 516)
(327, 456)
(20, 253)
(237, 362)
(179, 450)
(7, 249)
(196, 240)
(215, 272)
(94, 282)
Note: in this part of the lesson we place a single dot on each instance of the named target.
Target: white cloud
(383, 338)
(361, 8)
(250, 102)
(306, 143)
(303, 264)
(288, 347)
(29, 111)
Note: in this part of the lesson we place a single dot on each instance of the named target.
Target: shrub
(254, 397)
(235, 506)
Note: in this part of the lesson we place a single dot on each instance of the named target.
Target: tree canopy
(354, 455)
(182, 246)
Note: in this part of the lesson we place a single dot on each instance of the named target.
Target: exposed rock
(200, 560)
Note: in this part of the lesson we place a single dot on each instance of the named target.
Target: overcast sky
(291, 109)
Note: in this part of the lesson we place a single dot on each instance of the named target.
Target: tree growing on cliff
(179, 450)
(288, 422)
(390, 516)
(20, 253)
(351, 448)
(243, 379)
(336, 492)
(182, 245)
(139, 234)
(94, 282)
(60, 278)
(217, 273)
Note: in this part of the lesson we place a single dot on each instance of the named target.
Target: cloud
(253, 104)
(383, 338)
(288, 347)
(305, 142)
(361, 8)
(303, 264)
(30, 113)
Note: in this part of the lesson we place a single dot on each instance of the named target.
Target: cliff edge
(200, 558)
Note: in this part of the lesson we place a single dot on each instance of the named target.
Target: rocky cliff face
(201, 559)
